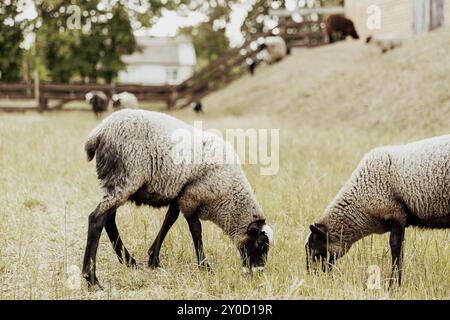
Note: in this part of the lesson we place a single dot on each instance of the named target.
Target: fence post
(172, 98)
(36, 88)
(43, 101)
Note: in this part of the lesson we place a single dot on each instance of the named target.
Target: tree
(11, 38)
(85, 39)
(258, 17)
(209, 37)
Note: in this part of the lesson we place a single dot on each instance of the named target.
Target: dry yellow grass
(331, 104)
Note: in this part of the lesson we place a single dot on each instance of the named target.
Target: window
(171, 75)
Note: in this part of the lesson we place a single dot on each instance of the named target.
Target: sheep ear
(318, 229)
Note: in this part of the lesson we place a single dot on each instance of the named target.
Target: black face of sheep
(198, 107)
(317, 249)
(255, 248)
(116, 104)
(98, 101)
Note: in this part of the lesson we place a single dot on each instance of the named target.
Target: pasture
(331, 104)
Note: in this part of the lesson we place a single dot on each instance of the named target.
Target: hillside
(350, 82)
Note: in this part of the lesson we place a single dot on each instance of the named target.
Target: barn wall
(396, 16)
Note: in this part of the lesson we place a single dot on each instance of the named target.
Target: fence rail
(214, 76)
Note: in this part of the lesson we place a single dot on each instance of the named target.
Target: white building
(403, 17)
(159, 61)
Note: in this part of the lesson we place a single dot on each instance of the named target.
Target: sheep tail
(91, 144)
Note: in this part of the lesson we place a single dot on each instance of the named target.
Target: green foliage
(258, 15)
(11, 37)
(84, 43)
(84, 40)
(209, 38)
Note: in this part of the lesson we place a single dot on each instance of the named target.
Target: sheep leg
(196, 231)
(97, 221)
(169, 220)
(396, 242)
(113, 234)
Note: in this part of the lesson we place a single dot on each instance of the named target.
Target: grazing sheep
(338, 24)
(143, 157)
(125, 100)
(198, 107)
(98, 101)
(252, 66)
(392, 188)
(275, 49)
(385, 42)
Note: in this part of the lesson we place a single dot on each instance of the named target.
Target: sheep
(385, 42)
(393, 187)
(125, 100)
(98, 101)
(198, 107)
(275, 49)
(140, 158)
(340, 25)
(251, 66)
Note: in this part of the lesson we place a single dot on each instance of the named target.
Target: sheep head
(321, 249)
(255, 247)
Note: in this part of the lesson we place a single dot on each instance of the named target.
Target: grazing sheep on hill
(198, 107)
(392, 188)
(145, 157)
(98, 101)
(338, 24)
(125, 100)
(275, 49)
(385, 42)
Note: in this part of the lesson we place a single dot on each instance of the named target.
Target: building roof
(163, 51)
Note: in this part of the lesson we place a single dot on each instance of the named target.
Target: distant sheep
(140, 158)
(125, 100)
(392, 188)
(385, 42)
(338, 24)
(98, 101)
(198, 107)
(275, 49)
(252, 66)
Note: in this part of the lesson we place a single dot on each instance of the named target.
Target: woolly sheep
(275, 49)
(340, 25)
(385, 42)
(141, 159)
(98, 101)
(392, 188)
(125, 100)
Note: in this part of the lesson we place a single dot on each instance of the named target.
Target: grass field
(331, 105)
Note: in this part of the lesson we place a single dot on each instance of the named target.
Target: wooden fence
(214, 76)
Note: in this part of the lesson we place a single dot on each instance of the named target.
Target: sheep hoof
(154, 264)
(94, 287)
(204, 266)
(132, 264)
(394, 283)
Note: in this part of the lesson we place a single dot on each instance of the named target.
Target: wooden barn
(403, 17)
